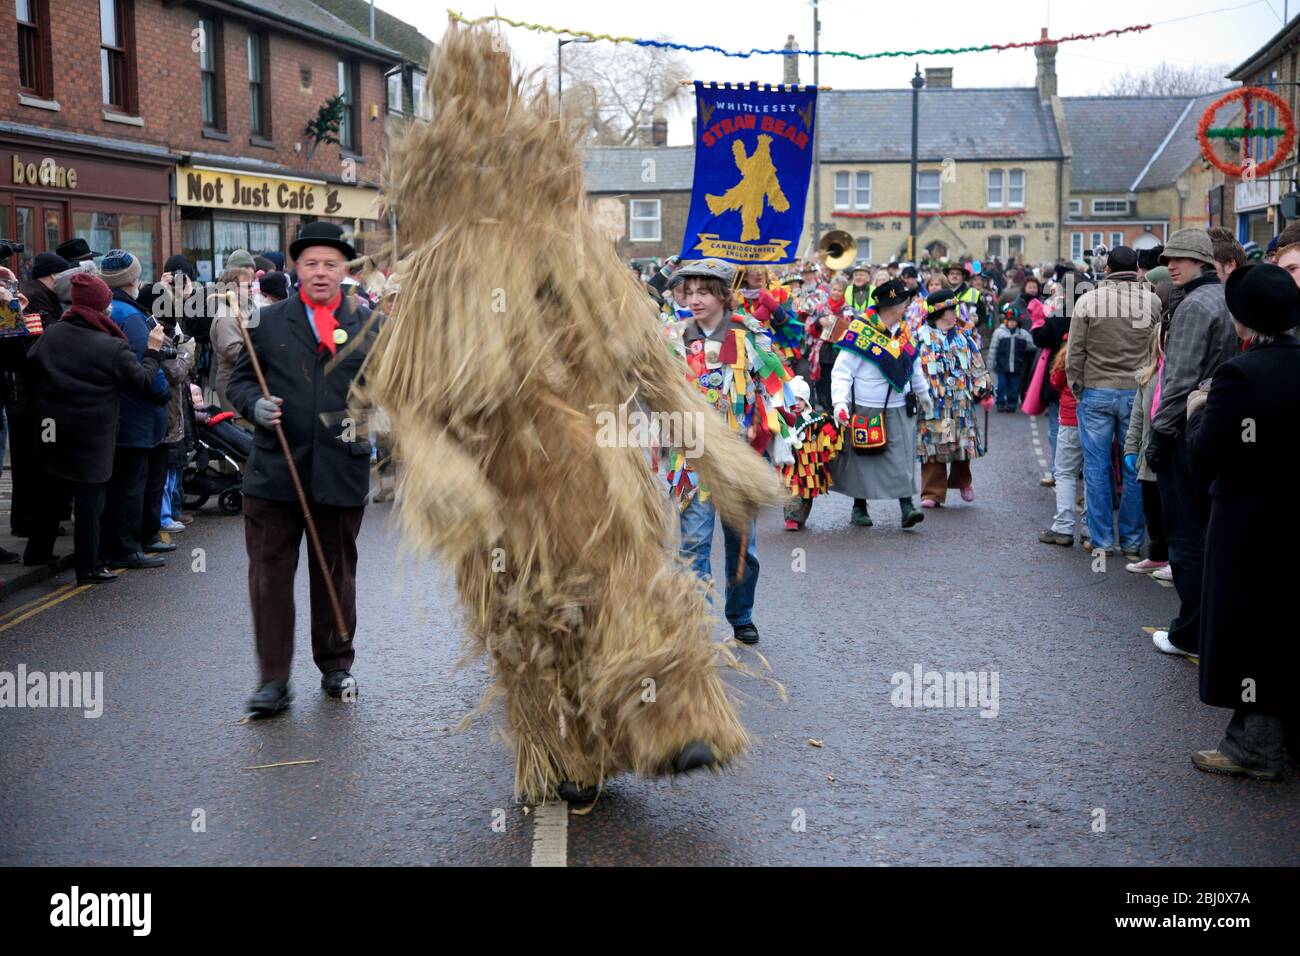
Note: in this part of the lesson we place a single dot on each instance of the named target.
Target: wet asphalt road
(1089, 717)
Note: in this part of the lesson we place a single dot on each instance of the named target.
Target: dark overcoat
(315, 415)
(1246, 443)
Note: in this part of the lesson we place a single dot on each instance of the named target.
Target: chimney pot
(938, 77)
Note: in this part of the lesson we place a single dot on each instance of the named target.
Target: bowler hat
(893, 292)
(937, 302)
(1263, 297)
(75, 250)
(321, 234)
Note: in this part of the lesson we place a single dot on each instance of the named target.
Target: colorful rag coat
(893, 353)
(952, 363)
(740, 374)
(775, 311)
(816, 440)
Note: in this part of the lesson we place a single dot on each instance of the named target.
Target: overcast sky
(1229, 34)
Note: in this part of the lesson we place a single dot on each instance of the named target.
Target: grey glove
(266, 412)
(926, 403)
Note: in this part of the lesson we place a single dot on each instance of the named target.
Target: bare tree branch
(612, 92)
(1168, 79)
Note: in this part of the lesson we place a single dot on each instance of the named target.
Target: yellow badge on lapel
(340, 336)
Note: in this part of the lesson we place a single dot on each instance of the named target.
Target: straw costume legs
(598, 639)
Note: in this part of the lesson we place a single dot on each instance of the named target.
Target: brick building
(163, 126)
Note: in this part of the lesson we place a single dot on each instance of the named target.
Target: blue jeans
(171, 489)
(697, 545)
(1053, 425)
(1103, 418)
(1008, 389)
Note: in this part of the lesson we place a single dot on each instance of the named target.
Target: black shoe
(746, 634)
(912, 515)
(693, 756)
(9, 557)
(570, 792)
(270, 698)
(862, 517)
(160, 547)
(97, 576)
(137, 560)
(335, 683)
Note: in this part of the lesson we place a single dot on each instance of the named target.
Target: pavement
(1082, 758)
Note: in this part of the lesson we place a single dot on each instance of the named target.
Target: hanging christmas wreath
(1247, 94)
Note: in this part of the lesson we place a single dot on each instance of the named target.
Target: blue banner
(753, 160)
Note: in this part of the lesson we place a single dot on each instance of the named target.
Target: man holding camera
(310, 349)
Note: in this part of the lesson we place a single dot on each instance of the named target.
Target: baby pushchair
(216, 463)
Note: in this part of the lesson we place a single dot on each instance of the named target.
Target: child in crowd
(814, 442)
(1011, 347)
(1068, 467)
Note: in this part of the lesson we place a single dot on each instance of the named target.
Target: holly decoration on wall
(1284, 135)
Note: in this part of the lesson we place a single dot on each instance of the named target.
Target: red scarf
(322, 317)
(97, 320)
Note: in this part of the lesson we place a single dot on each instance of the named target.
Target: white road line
(551, 834)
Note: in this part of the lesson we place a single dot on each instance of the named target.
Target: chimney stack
(659, 131)
(791, 74)
(938, 77)
(1046, 81)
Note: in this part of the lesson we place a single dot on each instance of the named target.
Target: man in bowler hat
(311, 348)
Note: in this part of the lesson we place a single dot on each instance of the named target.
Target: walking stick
(312, 536)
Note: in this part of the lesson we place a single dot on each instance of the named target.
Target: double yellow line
(43, 603)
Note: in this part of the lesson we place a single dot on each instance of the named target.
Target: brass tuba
(838, 249)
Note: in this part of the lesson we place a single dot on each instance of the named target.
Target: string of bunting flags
(744, 54)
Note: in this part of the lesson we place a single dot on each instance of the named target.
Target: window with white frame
(842, 189)
(1005, 187)
(995, 188)
(1076, 246)
(1102, 207)
(1097, 238)
(861, 190)
(928, 191)
(864, 247)
(418, 105)
(1076, 207)
(1116, 239)
(645, 220)
(1016, 246)
(994, 247)
(1015, 187)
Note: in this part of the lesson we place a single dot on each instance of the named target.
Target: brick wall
(168, 81)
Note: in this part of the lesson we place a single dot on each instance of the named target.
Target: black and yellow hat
(893, 292)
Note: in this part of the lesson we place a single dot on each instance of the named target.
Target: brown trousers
(936, 479)
(273, 532)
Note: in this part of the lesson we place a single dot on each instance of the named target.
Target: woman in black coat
(80, 367)
(1245, 440)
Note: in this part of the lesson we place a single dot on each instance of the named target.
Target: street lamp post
(918, 81)
(559, 68)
